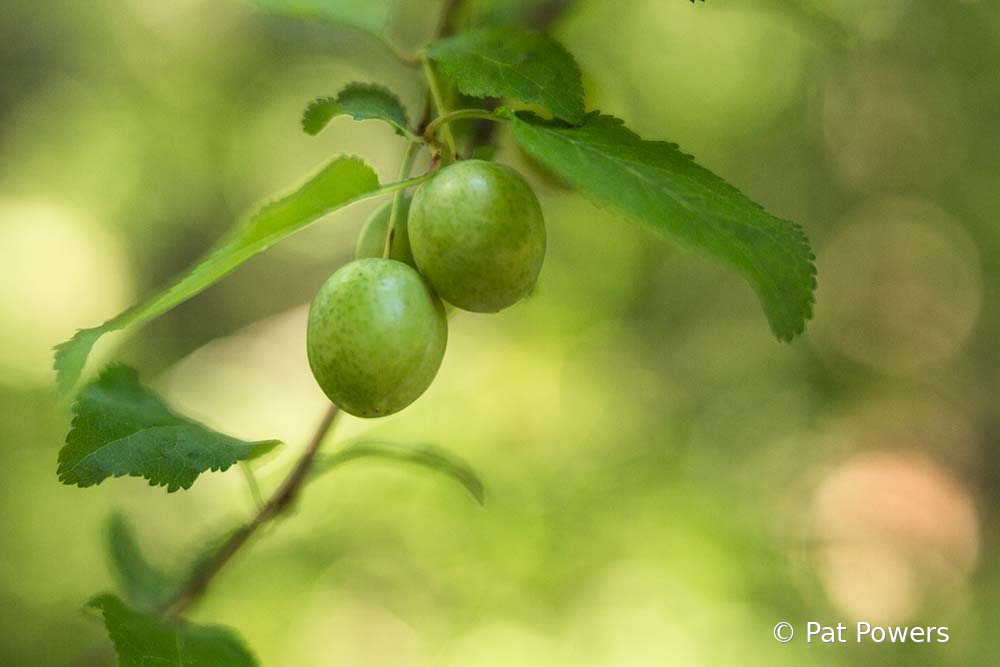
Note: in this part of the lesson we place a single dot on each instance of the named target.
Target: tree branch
(284, 497)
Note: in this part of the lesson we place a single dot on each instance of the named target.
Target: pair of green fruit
(473, 235)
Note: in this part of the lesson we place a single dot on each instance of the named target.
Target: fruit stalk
(439, 105)
(461, 114)
(404, 173)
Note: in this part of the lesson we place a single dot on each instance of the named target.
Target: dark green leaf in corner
(340, 183)
(144, 585)
(360, 101)
(121, 428)
(144, 640)
(658, 185)
(425, 456)
(516, 64)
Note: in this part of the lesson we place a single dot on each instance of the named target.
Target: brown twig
(284, 497)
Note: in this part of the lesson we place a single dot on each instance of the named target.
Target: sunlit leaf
(342, 182)
(122, 428)
(145, 640)
(516, 64)
(658, 185)
(425, 456)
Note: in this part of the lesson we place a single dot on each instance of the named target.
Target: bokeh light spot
(59, 272)
(893, 531)
(901, 287)
(743, 56)
(888, 126)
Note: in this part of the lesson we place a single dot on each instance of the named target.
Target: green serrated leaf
(425, 456)
(512, 63)
(145, 640)
(122, 428)
(361, 101)
(143, 585)
(657, 184)
(371, 15)
(340, 183)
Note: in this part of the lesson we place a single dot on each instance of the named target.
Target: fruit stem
(196, 585)
(252, 485)
(434, 86)
(397, 201)
(397, 186)
(461, 114)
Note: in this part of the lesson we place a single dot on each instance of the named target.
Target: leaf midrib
(629, 165)
(119, 441)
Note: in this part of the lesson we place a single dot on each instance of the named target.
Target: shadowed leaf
(121, 428)
(425, 456)
(516, 64)
(143, 640)
(142, 584)
(360, 101)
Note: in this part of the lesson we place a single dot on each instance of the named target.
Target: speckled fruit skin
(376, 337)
(477, 233)
(371, 241)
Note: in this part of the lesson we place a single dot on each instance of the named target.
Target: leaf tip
(317, 114)
(70, 357)
(262, 448)
(477, 491)
(104, 602)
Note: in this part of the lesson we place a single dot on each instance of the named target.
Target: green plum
(477, 234)
(371, 241)
(376, 337)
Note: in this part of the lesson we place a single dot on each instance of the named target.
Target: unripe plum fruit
(371, 241)
(376, 337)
(478, 236)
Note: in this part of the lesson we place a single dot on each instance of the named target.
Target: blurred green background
(665, 481)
